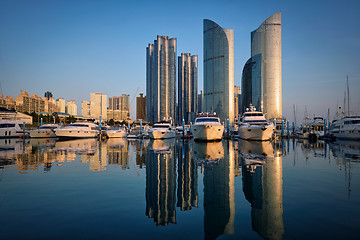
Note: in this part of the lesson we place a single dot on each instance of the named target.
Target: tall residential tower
(261, 79)
(219, 70)
(187, 84)
(161, 79)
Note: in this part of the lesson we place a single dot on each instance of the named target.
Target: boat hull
(207, 132)
(71, 134)
(42, 134)
(159, 134)
(257, 133)
(116, 134)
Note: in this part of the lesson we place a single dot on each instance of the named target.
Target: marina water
(179, 189)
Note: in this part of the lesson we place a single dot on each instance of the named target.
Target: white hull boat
(346, 128)
(116, 133)
(44, 131)
(11, 129)
(207, 128)
(78, 130)
(254, 126)
(162, 130)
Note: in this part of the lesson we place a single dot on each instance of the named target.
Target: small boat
(207, 127)
(78, 130)
(12, 129)
(44, 131)
(162, 130)
(254, 126)
(116, 133)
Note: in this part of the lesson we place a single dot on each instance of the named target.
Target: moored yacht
(44, 131)
(11, 129)
(116, 133)
(317, 126)
(207, 127)
(254, 126)
(78, 130)
(162, 130)
(346, 128)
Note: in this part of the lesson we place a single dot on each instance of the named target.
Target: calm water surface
(174, 189)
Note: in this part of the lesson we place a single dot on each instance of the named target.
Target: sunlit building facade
(85, 108)
(71, 107)
(219, 70)
(98, 106)
(261, 79)
(187, 85)
(161, 79)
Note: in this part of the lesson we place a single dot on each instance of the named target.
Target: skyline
(100, 47)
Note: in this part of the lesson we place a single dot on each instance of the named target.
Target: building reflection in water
(187, 193)
(161, 181)
(218, 162)
(262, 186)
(117, 151)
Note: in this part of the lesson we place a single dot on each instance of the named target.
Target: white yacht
(44, 131)
(346, 128)
(116, 133)
(207, 128)
(162, 130)
(317, 126)
(78, 130)
(254, 126)
(11, 129)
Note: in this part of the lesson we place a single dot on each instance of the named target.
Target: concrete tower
(261, 80)
(219, 70)
(188, 81)
(161, 79)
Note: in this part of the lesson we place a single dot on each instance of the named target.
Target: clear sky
(72, 48)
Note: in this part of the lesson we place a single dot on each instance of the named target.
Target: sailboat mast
(348, 94)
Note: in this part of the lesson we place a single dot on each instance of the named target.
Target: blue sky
(72, 48)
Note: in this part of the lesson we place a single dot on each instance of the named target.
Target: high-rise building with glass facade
(161, 79)
(219, 70)
(261, 79)
(187, 85)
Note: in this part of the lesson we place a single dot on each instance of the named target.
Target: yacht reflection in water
(218, 164)
(161, 181)
(262, 186)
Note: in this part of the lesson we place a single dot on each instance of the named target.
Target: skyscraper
(141, 107)
(161, 79)
(261, 79)
(187, 95)
(98, 106)
(219, 70)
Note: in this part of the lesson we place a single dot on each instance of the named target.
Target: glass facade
(219, 70)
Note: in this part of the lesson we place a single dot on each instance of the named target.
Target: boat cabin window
(253, 114)
(78, 125)
(7, 125)
(198, 120)
(255, 121)
(352, 122)
(46, 127)
(161, 126)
